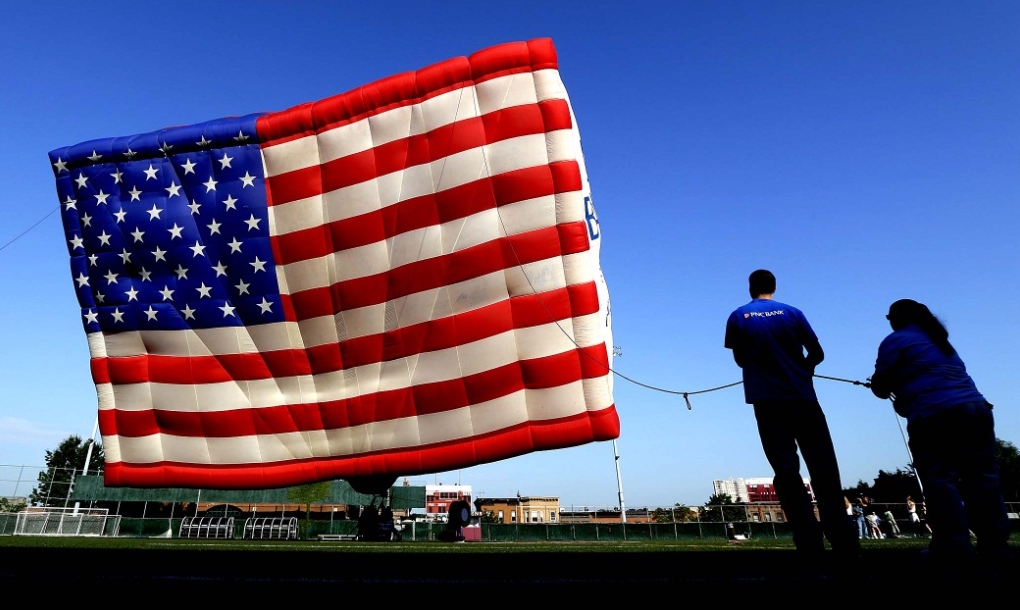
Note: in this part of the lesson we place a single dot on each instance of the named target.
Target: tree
(720, 507)
(676, 514)
(62, 465)
(307, 494)
(894, 487)
(489, 517)
(6, 506)
(1009, 469)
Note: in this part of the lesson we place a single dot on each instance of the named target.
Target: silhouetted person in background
(769, 339)
(951, 431)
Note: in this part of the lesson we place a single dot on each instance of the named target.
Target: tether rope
(686, 394)
(37, 223)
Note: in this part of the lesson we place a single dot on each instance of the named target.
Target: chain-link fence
(37, 486)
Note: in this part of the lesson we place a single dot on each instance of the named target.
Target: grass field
(190, 570)
(304, 546)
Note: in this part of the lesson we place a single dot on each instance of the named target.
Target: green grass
(642, 546)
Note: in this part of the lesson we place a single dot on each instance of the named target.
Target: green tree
(720, 507)
(308, 494)
(1009, 469)
(489, 517)
(894, 487)
(62, 465)
(678, 513)
(6, 506)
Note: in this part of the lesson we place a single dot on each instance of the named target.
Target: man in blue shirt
(769, 340)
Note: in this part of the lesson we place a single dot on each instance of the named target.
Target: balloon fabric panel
(396, 280)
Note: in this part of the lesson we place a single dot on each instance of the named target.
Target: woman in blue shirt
(951, 431)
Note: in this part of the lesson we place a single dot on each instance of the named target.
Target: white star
(132, 294)
(104, 238)
(118, 176)
(259, 265)
(150, 174)
(154, 212)
(175, 231)
(174, 190)
(182, 272)
(166, 147)
(242, 288)
(144, 274)
(118, 315)
(129, 153)
(125, 256)
(86, 220)
(266, 306)
(136, 195)
(150, 313)
(100, 297)
(137, 234)
(92, 317)
(240, 137)
(189, 167)
(82, 279)
(214, 227)
(101, 197)
(253, 223)
(248, 180)
(225, 161)
(235, 246)
(95, 157)
(167, 293)
(198, 248)
(70, 203)
(227, 309)
(189, 313)
(203, 291)
(81, 180)
(221, 269)
(121, 215)
(203, 142)
(111, 277)
(210, 185)
(93, 259)
(77, 242)
(229, 202)
(61, 165)
(159, 254)
(193, 206)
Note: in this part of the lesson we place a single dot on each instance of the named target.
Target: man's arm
(809, 340)
(733, 341)
(815, 355)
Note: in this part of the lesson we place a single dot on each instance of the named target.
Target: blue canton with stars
(169, 230)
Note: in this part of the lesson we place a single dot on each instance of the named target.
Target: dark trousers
(785, 426)
(954, 453)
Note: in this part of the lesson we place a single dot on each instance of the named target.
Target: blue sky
(862, 151)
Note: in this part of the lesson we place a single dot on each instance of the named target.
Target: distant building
(753, 490)
(438, 498)
(759, 494)
(606, 515)
(522, 509)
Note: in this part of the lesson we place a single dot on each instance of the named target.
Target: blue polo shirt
(769, 339)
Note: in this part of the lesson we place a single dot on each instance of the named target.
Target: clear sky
(863, 151)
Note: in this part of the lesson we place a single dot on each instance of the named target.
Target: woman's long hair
(906, 312)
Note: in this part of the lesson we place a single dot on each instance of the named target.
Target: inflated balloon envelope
(396, 280)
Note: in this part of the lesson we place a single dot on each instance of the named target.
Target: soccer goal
(50, 521)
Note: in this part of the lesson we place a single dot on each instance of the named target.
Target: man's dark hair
(761, 282)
